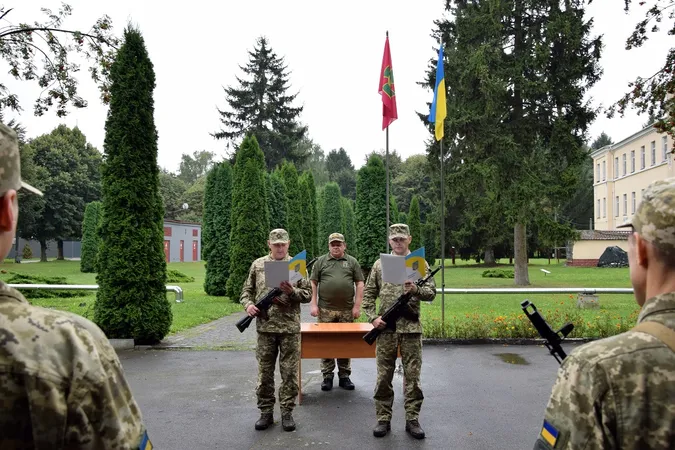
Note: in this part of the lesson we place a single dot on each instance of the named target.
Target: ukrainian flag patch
(549, 433)
(145, 442)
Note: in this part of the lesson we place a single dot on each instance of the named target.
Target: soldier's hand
(286, 287)
(252, 310)
(313, 310)
(356, 312)
(409, 286)
(379, 323)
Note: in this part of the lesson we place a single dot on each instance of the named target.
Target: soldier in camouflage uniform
(278, 334)
(61, 383)
(618, 392)
(337, 281)
(408, 337)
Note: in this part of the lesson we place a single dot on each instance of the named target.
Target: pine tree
(277, 201)
(331, 218)
(414, 223)
(131, 301)
(296, 212)
(250, 220)
(262, 106)
(90, 237)
(349, 227)
(371, 211)
(217, 228)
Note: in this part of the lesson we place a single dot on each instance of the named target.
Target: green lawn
(466, 315)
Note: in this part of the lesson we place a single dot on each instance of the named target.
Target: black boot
(414, 429)
(346, 383)
(382, 428)
(327, 383)
(266, 419)
(287, 421)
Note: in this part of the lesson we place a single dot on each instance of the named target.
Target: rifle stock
(264, 304)
(396, 310)
(552, 339)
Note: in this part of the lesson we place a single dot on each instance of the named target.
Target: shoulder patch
(145, 442)
(549, 433)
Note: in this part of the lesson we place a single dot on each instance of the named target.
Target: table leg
(299, 381)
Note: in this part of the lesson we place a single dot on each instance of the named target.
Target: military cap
(654, 219)
(399, 230)
(279, 236)
(336, 237)
(10, 163)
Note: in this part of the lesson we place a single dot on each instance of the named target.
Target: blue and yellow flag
(297, 265)
(438, 106)
(415, 264)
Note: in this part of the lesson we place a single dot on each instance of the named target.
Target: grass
(466, 316)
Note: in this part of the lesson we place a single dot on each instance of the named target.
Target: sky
(333, 54)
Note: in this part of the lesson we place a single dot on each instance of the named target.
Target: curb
(499, 341)
(122, 344)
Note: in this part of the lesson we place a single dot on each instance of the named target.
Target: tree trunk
(520, 250)
(59, 252)
(490, 257)
(17, 258)
(43, 250)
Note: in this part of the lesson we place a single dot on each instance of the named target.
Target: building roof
(604, 235)
(638, 134)
(182, 222)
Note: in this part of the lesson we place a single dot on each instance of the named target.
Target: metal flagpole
(386, 241)
(442, 244)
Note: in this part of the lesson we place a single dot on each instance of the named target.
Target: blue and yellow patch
(549, 434)
(145, 442)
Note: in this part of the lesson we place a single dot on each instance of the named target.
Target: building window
(653, 153)
(604, 207)
(625, 204)
(604, 170)
(616, 167)
(195, 232)
(597, 173)
(642, 157)
(624, 164)
(616, 207)
(664, 147)
(632, 204)
(598, 210)
(167, 231)
(632, 161)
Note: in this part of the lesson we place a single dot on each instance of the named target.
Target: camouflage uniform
(618, 392)
(279, 335)
(61, 382)
(408, 337)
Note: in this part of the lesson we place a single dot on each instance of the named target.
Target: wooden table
(333, 340)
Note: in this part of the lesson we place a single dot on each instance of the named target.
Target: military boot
(287, 421)
(414, 429)
(266, 419)
(382, 428)
(327, 383)
(346, 383)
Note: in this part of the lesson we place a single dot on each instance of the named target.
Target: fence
(87, 287)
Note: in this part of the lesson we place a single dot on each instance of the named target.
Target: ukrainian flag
(438, 106)
(416, 262)
(299, 263)
(549, 433)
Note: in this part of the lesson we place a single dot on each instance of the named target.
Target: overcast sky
(334, 55)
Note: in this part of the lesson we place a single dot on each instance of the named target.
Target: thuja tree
(414, 223)
(131, 301)
(371, 211)
(250, 214)
(216, 232)
(294, 208)
(90, 237)
(331, 213)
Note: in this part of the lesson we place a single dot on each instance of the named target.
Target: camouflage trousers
(328, 365)
(287, 347)
(411, 355)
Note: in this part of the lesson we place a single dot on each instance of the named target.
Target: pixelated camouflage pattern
(61, 382)
(287, 346)
(654, 219)
(10, 162)
(344, 364)
(617, 393)
(278, 236)
(411, 358)
(336, 237)
(283, 317)
(389, 293)
(398, 230)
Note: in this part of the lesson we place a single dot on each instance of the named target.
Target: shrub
(498, 273)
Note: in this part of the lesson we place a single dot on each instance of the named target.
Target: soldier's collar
(7, 292)
(658, 304)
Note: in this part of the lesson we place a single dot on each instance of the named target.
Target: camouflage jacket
(616, 393)
(281, 319)
(389, 293)
(61, 382)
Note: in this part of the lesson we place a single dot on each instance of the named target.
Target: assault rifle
(264, 304)
(399, 309)
(552, 339)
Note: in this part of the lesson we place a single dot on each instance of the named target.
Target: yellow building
(621, 172)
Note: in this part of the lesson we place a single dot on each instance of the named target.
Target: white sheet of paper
(294, 277)
(393, 268)
(412, 274)
(275, 273)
